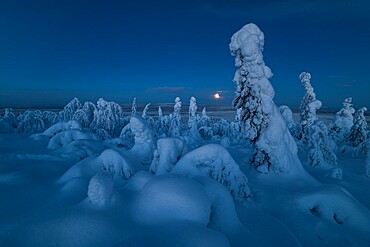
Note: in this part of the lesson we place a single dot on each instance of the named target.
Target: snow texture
(171, 197)
(214, 161)
(100, 190)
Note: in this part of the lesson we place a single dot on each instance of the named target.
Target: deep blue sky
(51, 51)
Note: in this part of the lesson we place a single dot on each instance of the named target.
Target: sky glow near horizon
(52, 51)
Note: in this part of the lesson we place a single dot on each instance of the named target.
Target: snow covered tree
(70, 109)
(104, 118)
(31, 122)
(50, 118)
(359, 130)
(192, 112)
(343, 122)
(308, 114)
(145, 111)
(320, 153)
(176, 119)
(160, 113)
(133, 107)
(192, 122)
(248, 99)
(275, 149)
(313, 131)
(10, 117)
(204, 125)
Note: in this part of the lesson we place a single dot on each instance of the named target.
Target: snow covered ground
(87, 194)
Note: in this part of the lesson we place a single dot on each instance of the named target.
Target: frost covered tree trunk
(275, 148)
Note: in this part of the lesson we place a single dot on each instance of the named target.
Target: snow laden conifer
(313, 131)
(175, 123)
(192, 122)
(10, 117)
(70, 109)
(205, 125)
(105, 120)
(275, 149)
(308, 113)
(343, 122)
(359, 130)
(133, 107)
(145, 111)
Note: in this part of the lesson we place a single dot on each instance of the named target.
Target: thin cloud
(167, 90)
(346, 84)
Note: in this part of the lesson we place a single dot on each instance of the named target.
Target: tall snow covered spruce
(175, 125)
(314, 132)
(308, 110)
(275, 148)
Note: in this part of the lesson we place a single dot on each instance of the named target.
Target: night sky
(52, 51)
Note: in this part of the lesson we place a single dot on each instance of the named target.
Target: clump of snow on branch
(215, 161)
(275, 148)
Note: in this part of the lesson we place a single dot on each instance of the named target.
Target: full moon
(217, 96)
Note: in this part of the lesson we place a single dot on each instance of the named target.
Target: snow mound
(215, 161)
(67, 136)
(79, 149)
(166, 155)
(334, 204)
(112, 161)
(170, 197)
(100, 189)
(116, 164)
(59, 127)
